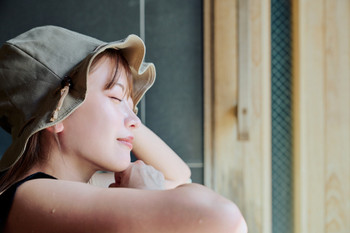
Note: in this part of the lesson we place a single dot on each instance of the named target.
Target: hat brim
(132, 48)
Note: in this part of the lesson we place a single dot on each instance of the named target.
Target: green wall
(173, 35)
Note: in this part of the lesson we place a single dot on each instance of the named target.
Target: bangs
(120, 64)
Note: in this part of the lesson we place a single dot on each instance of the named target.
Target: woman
(69, 100)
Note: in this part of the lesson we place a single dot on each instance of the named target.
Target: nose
(132, 121)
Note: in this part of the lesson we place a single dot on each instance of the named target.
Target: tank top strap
(6, 198)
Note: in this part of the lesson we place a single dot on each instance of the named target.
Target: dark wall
(173, 36)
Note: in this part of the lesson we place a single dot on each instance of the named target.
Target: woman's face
(100, 132)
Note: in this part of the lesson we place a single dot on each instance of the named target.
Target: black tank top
(6, 198)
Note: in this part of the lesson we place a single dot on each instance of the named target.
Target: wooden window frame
(238, 169)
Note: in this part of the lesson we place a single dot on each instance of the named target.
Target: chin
(121, 164)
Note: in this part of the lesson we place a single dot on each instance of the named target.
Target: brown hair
(119, 60)
(34, 152)
(32, 155)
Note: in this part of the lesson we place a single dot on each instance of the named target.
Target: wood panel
(322, 116)
(239, 170)
(309, 130)
(337, 92)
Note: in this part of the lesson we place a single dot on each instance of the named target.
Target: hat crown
(58, 49)
(32, 65)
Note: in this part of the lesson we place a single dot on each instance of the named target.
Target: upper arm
(60, 206)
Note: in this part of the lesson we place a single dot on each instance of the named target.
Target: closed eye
(115, 98)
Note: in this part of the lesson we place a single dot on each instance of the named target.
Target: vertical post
(208, 51)
(239, 170)
(322, 116)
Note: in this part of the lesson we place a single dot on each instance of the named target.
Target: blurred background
(254, 95)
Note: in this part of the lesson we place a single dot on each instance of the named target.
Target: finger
(139, 162)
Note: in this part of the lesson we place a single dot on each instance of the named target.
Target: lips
(127, 141)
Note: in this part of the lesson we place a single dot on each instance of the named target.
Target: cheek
(97, 115)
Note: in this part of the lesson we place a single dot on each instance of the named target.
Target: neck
(65, 166)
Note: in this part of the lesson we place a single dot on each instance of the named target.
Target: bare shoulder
(45, 205)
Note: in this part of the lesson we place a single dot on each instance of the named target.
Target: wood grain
(322, 116)
(239, 170)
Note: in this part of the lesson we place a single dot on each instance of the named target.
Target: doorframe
(239, 169)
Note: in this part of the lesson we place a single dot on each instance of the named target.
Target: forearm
(149, 148)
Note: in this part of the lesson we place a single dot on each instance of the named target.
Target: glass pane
(282, 202)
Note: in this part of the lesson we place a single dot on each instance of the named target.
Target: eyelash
(120, 100)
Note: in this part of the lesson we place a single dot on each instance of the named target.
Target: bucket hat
(33, 66)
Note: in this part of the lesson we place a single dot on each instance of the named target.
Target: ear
(58, 128)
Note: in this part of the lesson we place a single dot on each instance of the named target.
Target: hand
(141, 176)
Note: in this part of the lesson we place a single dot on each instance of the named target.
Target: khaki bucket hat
(32, 68)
